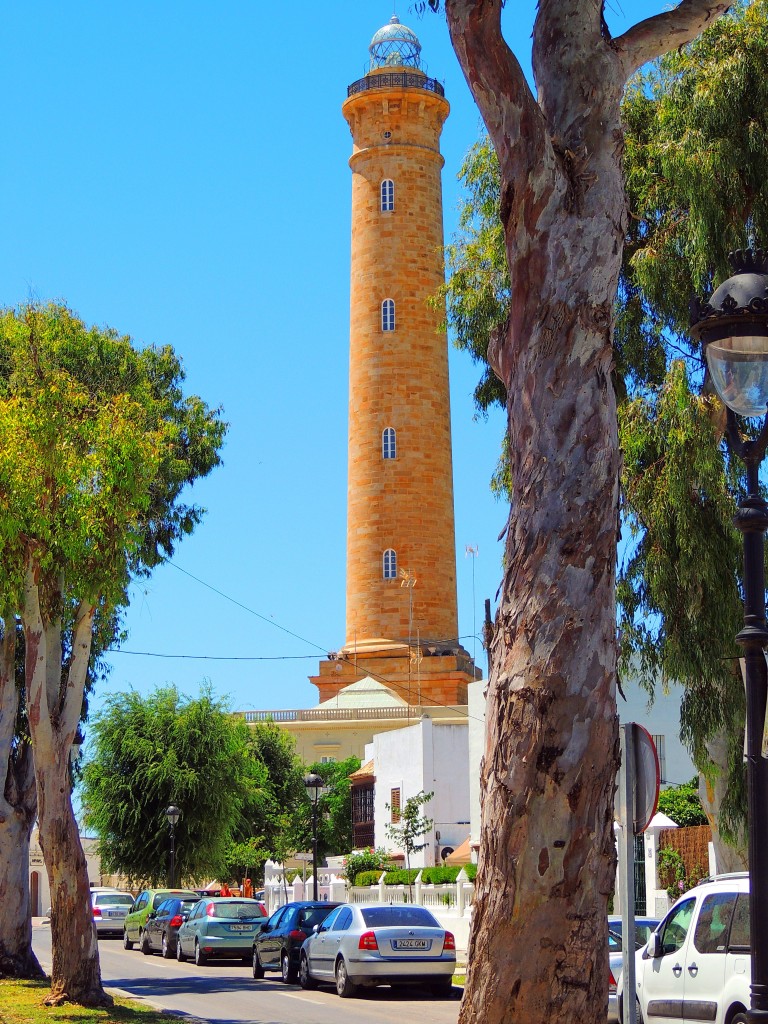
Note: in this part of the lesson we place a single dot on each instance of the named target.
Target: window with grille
(387, 195)
(662, 755)
(390, 564)
(389, 443)
(394, 805)
(388, 315)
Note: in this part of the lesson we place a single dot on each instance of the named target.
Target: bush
(673, 874)
(364, 861)
(429, 876)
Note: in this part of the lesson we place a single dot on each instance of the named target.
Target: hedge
(429, 876)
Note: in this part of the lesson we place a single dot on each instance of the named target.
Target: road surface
(226, 992)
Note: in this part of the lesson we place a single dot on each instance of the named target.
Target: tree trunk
(18, 807)
(547, 852)
(728, 857)
(53, 709)
(76, 974)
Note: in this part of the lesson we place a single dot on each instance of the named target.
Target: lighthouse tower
(401, 620)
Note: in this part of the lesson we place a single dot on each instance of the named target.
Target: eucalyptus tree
(551, 752)
(97, 442)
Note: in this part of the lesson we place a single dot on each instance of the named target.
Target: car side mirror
(317, 929)
(653, 948)
(184, 917)
(151, 916)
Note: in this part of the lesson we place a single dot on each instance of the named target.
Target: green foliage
(149, 752)
(682, 804)
(96, 443)
(673, 874)
(412, 826)
(276, 813)
(334, 832)
(429, 876)
(369, 861)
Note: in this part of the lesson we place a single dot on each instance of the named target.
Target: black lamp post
(733, 329)
(314, 785)
(173, 814)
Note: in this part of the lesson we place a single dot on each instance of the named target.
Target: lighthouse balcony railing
(395, 80)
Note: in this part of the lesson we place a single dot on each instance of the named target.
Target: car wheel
(200, 958)
(127, 944)
(344, 986)
(258, 970)
(305, 978)
(287, 971)
(145, 948)
(165, 949)
(442, 986)
(180, 955)
(740, 1018)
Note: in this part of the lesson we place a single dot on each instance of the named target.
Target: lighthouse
(401, 605)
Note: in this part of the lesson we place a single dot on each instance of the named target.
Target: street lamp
(314, 785)
(173, 814)
(733, 329)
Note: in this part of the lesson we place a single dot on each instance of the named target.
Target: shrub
(429, 876)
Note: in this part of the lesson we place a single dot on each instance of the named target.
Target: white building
(429, 756)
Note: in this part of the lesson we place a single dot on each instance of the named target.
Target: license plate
(115, 913)
(411, 943)
(240, 927)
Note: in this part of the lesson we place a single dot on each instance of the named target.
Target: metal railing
(395, 80)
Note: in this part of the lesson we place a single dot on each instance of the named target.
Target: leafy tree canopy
(164, 749)
(334, 833)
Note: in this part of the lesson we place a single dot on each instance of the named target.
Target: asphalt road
(226, 992)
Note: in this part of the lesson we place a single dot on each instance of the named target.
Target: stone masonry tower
(402, 621)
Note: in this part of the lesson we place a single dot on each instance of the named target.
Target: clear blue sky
(179, 172)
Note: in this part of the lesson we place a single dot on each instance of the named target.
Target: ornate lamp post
(733, 329)
(314, 785)
(173, 814)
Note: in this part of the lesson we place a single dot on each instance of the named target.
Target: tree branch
(669, 30)
(498, 85)
(82, 634)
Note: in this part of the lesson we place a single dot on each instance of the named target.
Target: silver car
(109, 910)
(378, 944)
(643, 928)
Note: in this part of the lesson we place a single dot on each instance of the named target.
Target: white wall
(476, 721)
(431, 757)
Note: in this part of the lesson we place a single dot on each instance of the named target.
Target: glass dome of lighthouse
(395, 45)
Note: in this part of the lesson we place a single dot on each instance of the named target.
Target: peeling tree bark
(18, 807)
(547, 856)
(53, 709)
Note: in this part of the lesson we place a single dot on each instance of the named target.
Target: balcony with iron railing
(395, 80)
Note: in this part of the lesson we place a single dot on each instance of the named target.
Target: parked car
(643, 928)
(278, 944)
(162, 925)
(696, 964)
(147, 901)
(109, 909)
(223, 927)
(379, 944)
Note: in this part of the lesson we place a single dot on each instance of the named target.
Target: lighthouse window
(390, 564)
(387, 195)
(389, 444)
(388, 315)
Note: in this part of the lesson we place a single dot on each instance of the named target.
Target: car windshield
(112, 899)
(386, 917)
(243, 910)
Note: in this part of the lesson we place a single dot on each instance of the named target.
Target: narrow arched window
(388, 315)
(390, 565)
(387, 195)
(389, 444)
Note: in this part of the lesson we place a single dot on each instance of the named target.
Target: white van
(696, 965)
